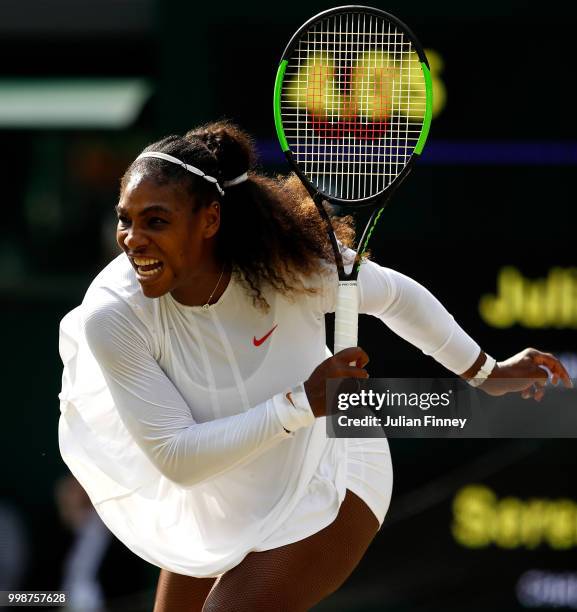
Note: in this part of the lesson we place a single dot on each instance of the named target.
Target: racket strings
(353, 103)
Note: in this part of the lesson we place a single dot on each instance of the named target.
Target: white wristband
(293, 409)
(483, 373)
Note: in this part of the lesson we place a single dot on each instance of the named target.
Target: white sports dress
(173, 417)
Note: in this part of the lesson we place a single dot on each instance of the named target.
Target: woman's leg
(295, 577)
(177, 593)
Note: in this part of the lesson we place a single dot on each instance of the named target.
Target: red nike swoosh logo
(261, 340)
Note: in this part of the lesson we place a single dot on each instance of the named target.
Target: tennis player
(194, 378)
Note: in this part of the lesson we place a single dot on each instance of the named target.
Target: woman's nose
(134, 239)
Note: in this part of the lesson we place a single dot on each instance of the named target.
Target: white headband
(194, 170)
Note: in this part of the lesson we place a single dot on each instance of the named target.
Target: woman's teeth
(147, 266)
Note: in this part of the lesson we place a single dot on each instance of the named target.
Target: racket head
(353, 104)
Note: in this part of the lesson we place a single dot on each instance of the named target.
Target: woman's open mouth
(147, 268)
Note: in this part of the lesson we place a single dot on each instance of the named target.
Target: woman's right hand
(337, 366)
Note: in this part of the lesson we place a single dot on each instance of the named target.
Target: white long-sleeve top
(173, 417)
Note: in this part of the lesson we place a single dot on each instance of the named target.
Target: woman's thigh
(177, 593)
(295, 577)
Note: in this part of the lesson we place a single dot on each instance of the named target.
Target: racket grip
(346, 315)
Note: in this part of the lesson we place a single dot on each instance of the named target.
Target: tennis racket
(352, 109)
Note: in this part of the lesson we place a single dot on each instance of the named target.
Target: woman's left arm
(416, 315)
(413, 313)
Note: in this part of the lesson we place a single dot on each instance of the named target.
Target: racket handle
(346, 315)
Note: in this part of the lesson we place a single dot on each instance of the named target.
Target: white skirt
(368, 474)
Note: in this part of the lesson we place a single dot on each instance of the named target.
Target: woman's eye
(124, 221)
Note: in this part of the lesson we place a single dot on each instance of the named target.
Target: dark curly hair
(270, 229)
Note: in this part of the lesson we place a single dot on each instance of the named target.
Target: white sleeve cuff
(296, 414)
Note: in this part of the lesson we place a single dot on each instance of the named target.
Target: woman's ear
(211, 219)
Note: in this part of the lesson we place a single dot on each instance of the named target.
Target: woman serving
(194, 375)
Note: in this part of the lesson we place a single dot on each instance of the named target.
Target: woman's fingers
(528, 391)
(554, 378)
(354, 357)
(556, 368)
(354, 354)
(527, 373)
(537, 389)
(348, 363)
(352, 372)
(534, 391)
(549, 365)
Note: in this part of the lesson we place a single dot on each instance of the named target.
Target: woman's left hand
(525, 372)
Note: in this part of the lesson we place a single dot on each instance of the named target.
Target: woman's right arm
(158, 418)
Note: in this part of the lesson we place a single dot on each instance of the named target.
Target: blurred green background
(489, 212)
